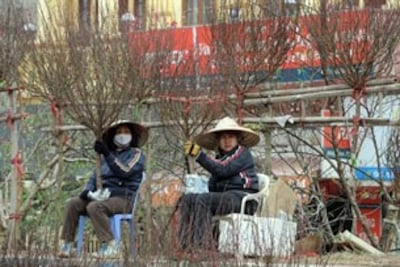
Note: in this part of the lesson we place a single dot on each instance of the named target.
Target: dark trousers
(196, 212)
(99, 213)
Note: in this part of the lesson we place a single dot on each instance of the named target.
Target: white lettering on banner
(370, 222)
(204, 49)
(176, 57)
(368, 173)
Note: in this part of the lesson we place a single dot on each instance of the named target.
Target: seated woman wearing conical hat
(233, 175)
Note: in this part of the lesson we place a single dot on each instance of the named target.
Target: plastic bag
(194, 183)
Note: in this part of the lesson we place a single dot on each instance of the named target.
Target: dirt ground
(352, 259)
(342, 259)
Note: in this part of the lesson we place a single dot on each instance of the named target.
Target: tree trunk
(349, 192)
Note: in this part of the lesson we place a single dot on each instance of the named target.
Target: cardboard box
(281, 198)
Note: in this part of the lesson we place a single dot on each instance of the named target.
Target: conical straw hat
(139, 133)
(209, 140)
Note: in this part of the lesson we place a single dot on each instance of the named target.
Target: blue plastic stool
(115, 225)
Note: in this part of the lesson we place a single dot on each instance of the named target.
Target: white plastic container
(194, 183)
(256, 236)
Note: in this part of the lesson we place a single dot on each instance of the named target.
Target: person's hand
(101, 148)
(105, 194)
(191, 149)
(99, 194)
(84, 194)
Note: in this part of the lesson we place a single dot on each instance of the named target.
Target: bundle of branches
(89, 73)
(188, 113)
(15, 32)
(354, 46)
(249, 48)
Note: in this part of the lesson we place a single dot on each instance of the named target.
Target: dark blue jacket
(121, 171)
(234, 170)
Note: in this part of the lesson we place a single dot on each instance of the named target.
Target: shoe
(65, 250)
(108, 250)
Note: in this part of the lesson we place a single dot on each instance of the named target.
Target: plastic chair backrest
(263, 181)
(259, 197)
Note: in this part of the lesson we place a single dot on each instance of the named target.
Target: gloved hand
(99, 194)
(191, 149)
(105, 194)
(101, 148)
(84, 194)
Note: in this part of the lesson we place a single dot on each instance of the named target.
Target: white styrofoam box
(256, 236)
(194, 183)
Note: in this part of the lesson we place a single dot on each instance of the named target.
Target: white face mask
(122, 139)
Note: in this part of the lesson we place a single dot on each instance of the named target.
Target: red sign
(335, 137)
(368, 195)
(374, 221)
(170, 52)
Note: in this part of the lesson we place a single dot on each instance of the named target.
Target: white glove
(99, 194)
(105, 194)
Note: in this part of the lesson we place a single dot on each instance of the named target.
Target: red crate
(368, 195)
(330, 188)
(373, 216)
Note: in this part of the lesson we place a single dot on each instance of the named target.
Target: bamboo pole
(266, 92)
(312, 122)
(390, 89)
(14, 117)
(382, 87)
(16, 182)
(10, 89)
(268, 151)
(58, 175)
(267, 122)
(148, 194)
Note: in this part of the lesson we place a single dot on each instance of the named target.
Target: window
(125, 8)
(139, 12)
(375, 3)
(291, 7)
(270, 8)
(88, 14)
(139, 8)
(197, 12)
(273, 8)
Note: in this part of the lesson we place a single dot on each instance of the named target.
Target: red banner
(251, 45)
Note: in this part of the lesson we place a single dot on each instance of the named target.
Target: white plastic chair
(260, 197)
